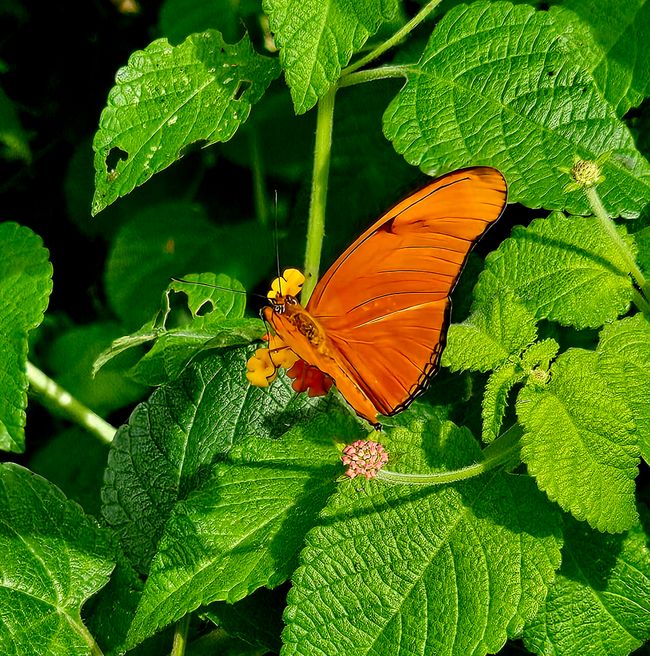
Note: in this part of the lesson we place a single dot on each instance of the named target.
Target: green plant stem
(610, 227)
(57, 397)
(319, 183)
(501, 451)
(81, 629)
(180, 636)
(371, 74)
(395, 39)
(259, 191)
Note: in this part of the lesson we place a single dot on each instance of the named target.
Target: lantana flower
(364, 458)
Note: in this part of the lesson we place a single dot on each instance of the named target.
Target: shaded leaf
(180, 18)
(580, 443)
(71, 356)
(173, 240)
(169, 97)
(244, 527)
(74, 461)
(25, 287)
(12, 135)
(171, 441)
(257, 619)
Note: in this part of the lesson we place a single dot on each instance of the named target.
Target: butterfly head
(284, 290)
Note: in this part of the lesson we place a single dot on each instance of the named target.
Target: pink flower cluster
(364, 458)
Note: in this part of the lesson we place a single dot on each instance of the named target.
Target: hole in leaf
(205, 308)
(113, 158)
(242, 87)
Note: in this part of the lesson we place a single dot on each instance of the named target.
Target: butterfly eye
(278, 308)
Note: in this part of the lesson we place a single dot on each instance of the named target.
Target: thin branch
(55, 396)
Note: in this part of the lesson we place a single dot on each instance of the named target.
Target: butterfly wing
(385, 302)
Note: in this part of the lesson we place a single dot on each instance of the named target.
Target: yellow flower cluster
(262, 368)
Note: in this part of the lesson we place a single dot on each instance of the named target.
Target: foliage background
(205, 213)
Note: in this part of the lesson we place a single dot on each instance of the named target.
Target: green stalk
(80, 628)
(180, 636)
(55, 396)
(500, 452)
(320, 179)
(259, 191)
(372, 74)
(610, 227)
(394, 40)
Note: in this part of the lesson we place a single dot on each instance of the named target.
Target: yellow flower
(262, 367)
(261, 371)
(289, 284)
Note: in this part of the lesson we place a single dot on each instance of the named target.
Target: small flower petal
(289, 284)
(261, 371)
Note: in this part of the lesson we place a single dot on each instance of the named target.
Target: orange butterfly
(377, 321)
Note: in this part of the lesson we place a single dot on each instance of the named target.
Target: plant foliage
(216, 518)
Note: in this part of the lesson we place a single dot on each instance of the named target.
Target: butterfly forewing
(385, 302)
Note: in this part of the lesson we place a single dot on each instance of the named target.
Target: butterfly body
(376, 322)
(304, 335)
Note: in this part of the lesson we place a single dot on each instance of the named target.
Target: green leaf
(642, 240)
(215, 321)
(317, 38)
(171, 441)
(244, 527)
(599, 603)
(563, 268)
(74, 461)
(174, 349)
(606, 36)
(12, 136)
(539, 355)
(71, 356)
(395, 569)
(169, 97)
(624, 360)
(257, 619)
(493, 332)
(497, 84)
(53, 559)
(25, 287)
(180, 18)
(580, 443)
(173, 240)
(111, 611)
(495, 400)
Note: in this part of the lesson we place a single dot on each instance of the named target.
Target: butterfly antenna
(275, 237)
(224, 289)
